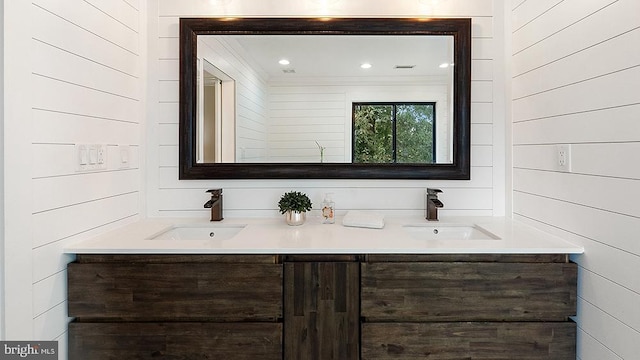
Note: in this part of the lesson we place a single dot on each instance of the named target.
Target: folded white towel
(363, 219)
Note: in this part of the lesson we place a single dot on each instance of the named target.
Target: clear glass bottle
(328, 210)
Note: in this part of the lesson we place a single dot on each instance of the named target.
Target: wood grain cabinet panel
(322, 318)
(193, 341)
(468, 291)
(140, 291)
(322, 307)
(175, 307)
(469, 340)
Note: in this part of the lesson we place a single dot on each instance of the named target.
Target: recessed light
(366, 66)
(284, 62)
(445, 65)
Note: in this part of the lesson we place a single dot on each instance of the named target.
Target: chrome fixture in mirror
(242, 114)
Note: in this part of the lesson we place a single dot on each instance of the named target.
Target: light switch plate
(90, 157)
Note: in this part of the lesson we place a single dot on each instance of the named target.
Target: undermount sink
(448, 232)
(198, 232)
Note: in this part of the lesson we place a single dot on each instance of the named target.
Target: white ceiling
(341, 56)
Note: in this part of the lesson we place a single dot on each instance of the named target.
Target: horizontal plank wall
(300, 115)
(85, 86)
(576, 70)
(2, 182)
(169, 197)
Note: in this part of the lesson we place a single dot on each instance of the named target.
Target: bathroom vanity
(220, 302)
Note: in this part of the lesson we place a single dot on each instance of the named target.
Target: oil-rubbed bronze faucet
(215, 204)
(433, 204)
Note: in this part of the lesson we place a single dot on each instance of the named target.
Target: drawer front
(175, 292)
(239, 341)
(174, 258)
(416, 292)
(496, 341)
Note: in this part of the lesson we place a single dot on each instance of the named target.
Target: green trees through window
(394, 133)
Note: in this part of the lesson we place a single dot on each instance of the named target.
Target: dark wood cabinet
(321, 307)
(475, 307)
(322, 310)
(175, 307)
(469, 340)
(175, 340)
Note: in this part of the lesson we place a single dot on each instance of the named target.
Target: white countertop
(274, 236)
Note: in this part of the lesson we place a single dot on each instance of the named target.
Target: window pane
(373, 134)
(414, 133)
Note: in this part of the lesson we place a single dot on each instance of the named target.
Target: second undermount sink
(199, 232)
(443, 231)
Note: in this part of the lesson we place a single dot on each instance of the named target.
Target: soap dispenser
(328, 210)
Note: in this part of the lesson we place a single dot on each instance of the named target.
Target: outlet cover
(563, 160)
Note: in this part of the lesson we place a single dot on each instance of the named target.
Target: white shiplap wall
(301, 115)
(2, 243)
(84, 62)
(483, 195)
(576, 70)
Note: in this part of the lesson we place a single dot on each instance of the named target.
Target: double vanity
(474, 288)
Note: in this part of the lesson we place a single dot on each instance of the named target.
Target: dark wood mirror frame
(460, 29)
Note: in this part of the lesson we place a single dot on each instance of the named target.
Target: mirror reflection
(325, 99)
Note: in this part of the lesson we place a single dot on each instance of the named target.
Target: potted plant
(294, 205)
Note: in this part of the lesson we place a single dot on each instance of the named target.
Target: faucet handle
(433, 191)
(215, 192)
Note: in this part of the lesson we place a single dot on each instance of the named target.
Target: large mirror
(324, 98)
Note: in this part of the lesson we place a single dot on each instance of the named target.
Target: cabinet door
(469, 291)
(469, 340)
(321, 319)
(229, 341)
(175, 291)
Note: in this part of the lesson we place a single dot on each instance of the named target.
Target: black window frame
(393, 131)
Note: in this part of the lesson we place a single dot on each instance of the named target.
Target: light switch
(93, 154)
(125, 155)
(83, 157)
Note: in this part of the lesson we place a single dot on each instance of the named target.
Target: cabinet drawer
(239, 341)
(175, 292)
(460, 340)
(416, 292)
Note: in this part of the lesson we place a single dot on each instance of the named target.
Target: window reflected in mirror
(394, 133)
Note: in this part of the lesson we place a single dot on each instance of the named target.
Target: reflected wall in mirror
(319, 112)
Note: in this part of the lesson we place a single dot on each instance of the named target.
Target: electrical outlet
(564, 157)
(101, 155)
